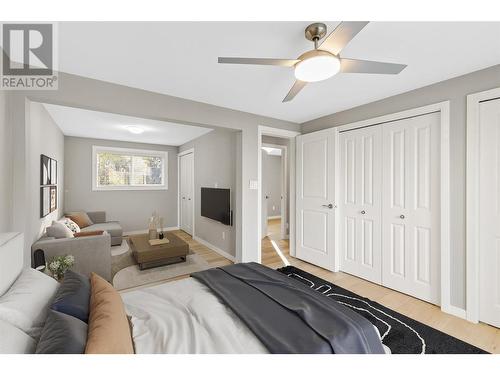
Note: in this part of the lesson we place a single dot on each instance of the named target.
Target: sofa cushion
(112, 227)
(73, 296)
(59, 230)
(62, 334)
(80, 218)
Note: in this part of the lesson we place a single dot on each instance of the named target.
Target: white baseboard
(274, 217)
(215, 248)
(142, 231)
(453, 310)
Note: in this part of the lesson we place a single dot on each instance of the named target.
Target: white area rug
(132, 276)
(119, 250)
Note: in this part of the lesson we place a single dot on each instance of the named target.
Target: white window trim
(128, 151)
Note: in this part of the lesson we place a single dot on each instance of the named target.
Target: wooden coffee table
(148, 256)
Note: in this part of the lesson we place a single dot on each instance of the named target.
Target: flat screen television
(216, 204)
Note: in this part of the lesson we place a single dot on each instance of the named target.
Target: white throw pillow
(15, 341)
(26, 303)
(59, 230)
(70, 224)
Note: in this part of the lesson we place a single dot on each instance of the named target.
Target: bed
(242, 308)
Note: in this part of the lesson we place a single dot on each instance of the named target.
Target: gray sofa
(112, 227)
(92, 253)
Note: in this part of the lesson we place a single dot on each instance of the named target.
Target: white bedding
(185, 317)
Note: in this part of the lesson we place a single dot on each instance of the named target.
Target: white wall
(132, 208)
(271, 182)
(6, 160)
(455, 90)
(45, 138)
(215, 166)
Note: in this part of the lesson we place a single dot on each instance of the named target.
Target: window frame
(130, 152)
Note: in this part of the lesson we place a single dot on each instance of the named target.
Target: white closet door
(315, 206)
(489, 213)
(186, 165)
(411, 206)
(360, 202)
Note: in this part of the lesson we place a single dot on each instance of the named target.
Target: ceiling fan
(324, 60)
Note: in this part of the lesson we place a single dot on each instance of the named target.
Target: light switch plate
(253, 185)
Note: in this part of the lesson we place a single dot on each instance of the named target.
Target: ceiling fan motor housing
(315, 31)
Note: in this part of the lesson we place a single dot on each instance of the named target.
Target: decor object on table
(159, 241)
(161, 235)
(60, 264)
(39, 260)
(153, 226)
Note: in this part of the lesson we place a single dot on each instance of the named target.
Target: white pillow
(59, 230)
(15, 341)
(26, 303)
(70, 224)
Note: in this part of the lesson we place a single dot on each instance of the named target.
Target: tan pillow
(89, 233)
(81, 219)
(109, 330)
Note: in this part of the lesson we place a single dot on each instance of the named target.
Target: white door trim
(179, 155)
(444, 109)
(472, 201)
(284, 155)
(281, 133)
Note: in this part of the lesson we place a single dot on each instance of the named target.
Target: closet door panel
(411, 203)
(360, 203)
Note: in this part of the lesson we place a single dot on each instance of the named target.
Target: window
(129, 169)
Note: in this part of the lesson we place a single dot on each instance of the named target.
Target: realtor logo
(28, 57)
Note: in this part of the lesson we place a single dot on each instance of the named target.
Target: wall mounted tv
(216, 204)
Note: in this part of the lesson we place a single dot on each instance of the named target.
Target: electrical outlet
(223, 235)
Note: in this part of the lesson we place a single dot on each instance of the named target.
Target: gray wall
(271, 182)
(6, 159)
(215, 166)
(455, 90)
(131, 208)
(45, 138)
(86, 93)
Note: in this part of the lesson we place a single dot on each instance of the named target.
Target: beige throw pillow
(81, 219)
(109, 330)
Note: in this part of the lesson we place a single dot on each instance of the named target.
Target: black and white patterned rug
(401, 334)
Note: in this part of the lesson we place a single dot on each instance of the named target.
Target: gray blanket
(287, 316)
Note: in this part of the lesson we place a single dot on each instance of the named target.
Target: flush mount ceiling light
(135, 129)
(324, 60)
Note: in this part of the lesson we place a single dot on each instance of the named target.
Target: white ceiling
(77, 122)
(180, 59)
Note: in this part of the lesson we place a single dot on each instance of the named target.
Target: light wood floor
(480, 335)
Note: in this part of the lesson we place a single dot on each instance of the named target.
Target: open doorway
(275, 197)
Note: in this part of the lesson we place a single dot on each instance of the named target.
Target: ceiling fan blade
(366, 66)
(297, 86)
(257, 61)
(341, 36)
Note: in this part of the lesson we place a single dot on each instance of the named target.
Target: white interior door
(186, 165)
(489, 212)
(315, 205)
(360, 202)
(411, 206)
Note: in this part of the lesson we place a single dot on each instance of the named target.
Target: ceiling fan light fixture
(316, 66)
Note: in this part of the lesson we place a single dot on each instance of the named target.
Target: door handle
(401, 216)
(363, 212)
(330, 206)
